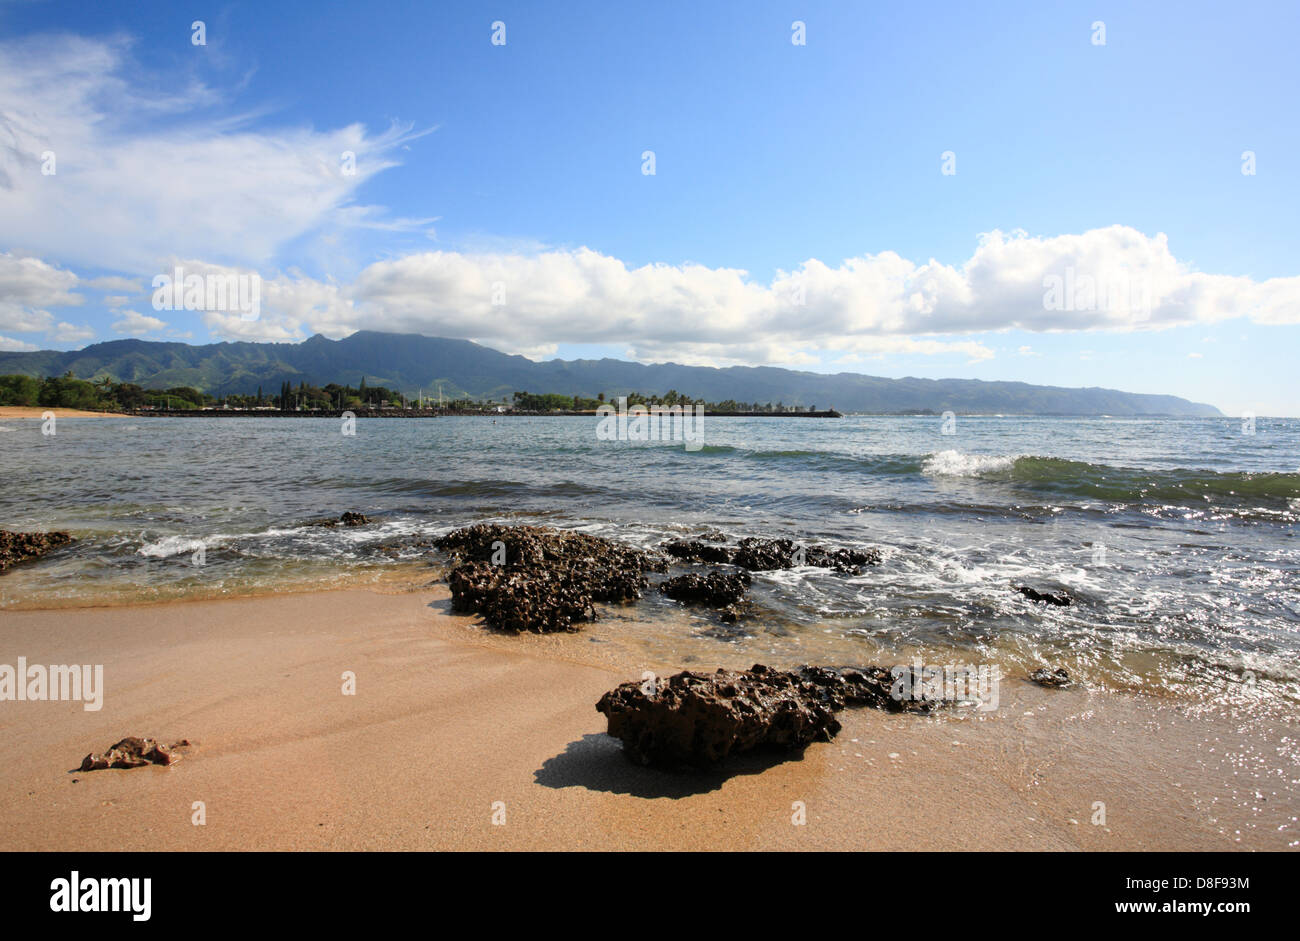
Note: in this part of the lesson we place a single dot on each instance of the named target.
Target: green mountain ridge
(411, 362)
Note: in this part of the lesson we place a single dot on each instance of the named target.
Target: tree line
(557, 402)
(107, 395)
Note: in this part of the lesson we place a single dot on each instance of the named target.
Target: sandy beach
(451, 726)
(36, 411)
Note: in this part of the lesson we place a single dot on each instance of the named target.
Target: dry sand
(448, 720)
(36, 411)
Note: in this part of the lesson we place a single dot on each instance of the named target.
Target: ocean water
(1176, 537)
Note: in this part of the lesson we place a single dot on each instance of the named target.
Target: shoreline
(449, 719)
(36, 411)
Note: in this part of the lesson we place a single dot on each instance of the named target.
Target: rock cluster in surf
(1058, 598)
(350, 518)
(534, 578)
(132, 752)
(1053, 678)
(698, 719)
(716, 589)
(766, 555)
(20, 547)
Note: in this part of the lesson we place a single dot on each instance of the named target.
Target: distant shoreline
(433, 413)
(520, 413)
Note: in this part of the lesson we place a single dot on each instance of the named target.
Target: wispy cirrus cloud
(143, 172)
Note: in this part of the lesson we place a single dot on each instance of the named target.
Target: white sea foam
(957, 464)
(169, 546)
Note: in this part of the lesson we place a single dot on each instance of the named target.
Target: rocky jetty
(532, 578)
(1052, 678)
(1058, 598)
(19, 547)
(132, 752)
(698, 719)
(766, 555)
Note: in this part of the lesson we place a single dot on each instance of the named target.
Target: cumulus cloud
(143, 173)
(1113, 279)
(10, 345)
(27, 287)
(72, 333)
(135, 325)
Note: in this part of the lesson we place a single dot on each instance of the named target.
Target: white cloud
(9, 345)
(1113, 279)
(144, 174)
(133, 324)
(72, 333)
(27, 287)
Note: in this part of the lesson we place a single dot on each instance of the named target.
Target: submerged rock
(695, 551)
(1058, 598)
(1053, 678)
(717, 588)
(528, 578)
(20, 547)
(847, 561)
(697, 719)
(766, 555)
(349, 518)
(132, 752)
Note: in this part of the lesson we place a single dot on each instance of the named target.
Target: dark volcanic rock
(349, 518)
(718, 589)
(1054, 678)
(132, 752)
(849, 561)
(538, 545)
(1058, 598)
(19, 547)
(697, 719)
(695, 551)
(540, 598)
(550, 579)
(765, 555)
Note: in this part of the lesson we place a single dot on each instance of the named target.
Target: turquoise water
(1178, 537)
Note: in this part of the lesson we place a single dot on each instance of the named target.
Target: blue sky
(798, 213)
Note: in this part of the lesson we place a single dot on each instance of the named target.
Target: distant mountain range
(409, 362)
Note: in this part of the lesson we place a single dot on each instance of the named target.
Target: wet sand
(452, 726)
